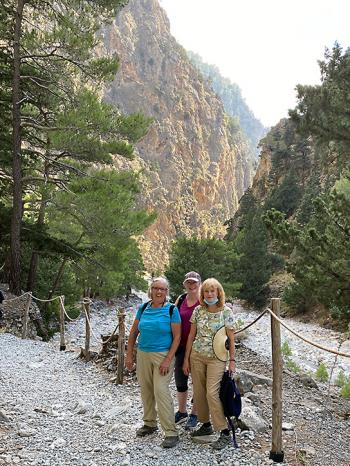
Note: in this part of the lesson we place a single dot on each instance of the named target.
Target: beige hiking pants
(206, 377)
(155, 391)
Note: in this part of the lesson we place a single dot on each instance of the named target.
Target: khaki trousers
(155, 391)
(206, 377)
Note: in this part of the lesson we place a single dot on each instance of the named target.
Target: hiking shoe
(145, 430)
(180, 417)
(170, 442)
(223, 441)
(203, 430)
(191, 423)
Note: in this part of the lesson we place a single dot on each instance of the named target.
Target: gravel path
(306, 356)
(56, 410)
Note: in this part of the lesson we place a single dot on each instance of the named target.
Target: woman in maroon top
(186, 304)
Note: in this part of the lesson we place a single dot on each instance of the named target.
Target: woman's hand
(164, 367)
(186, 367)
(129, 362)
(232, 367)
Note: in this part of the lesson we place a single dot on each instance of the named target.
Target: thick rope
(329, 350)
(33, 297)
(17, 297)
(251, 323)
(46, 300)
(65, 312)
(110, 337)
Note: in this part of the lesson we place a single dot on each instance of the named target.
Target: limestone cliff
(195, 168)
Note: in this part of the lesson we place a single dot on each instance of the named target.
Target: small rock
(26, 432)
(81, 407)
(58, 443)
(308, 451)
(287, 426)
(3, 416)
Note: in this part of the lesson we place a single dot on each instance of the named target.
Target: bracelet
(232, 359)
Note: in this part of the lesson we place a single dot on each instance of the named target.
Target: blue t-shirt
(155, 328)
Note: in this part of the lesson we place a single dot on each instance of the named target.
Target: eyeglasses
(156, 288)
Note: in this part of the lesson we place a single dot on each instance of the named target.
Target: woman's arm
(190, 339)
(134, 331)
(231, 338)
(176, 331)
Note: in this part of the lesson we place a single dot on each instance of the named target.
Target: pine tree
(323, 110)
(208, 257)
(319, 253)
(58, 124)
(98, 216)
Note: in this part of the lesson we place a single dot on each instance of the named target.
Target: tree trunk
(60, 271)
(58, 278)
(35, 256)
(17, 211)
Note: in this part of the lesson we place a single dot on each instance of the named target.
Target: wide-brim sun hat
(221, 344)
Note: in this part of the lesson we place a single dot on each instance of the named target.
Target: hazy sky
(265, 46)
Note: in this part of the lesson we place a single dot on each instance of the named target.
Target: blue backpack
(230, 398)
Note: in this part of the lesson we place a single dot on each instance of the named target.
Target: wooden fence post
(276, 453)
(26, 316)
(87, 329)
(62, 337)
(121, 346)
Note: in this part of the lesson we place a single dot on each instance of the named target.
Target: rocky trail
(57, 410)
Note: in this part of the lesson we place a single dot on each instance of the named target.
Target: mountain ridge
(195, 165)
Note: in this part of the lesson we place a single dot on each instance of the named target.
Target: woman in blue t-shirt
(157, 326)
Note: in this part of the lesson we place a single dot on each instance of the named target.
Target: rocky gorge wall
(194, 169)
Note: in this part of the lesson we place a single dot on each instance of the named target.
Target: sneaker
(146, 430)
(191, 423)
(180, 417)
(170, 442)
(203, 430)
(223, 441)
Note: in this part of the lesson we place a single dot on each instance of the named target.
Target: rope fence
(251, 323)
(317, 345)
(276, 453)
(329, 350)
(86, 302)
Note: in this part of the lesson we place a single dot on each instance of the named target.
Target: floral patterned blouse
(207, 324)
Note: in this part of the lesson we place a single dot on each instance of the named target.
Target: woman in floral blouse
(200, 360)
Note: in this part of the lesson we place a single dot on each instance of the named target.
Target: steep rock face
(195, 171)
(261, 186)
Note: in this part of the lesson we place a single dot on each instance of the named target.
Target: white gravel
(57, 410)
(258, 338)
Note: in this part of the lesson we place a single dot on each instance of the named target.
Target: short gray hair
(158, 279)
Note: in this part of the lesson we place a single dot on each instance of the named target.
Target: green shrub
(345, 390)
(286, 350)
(341, 378)
(293, 366)
(322, 373)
